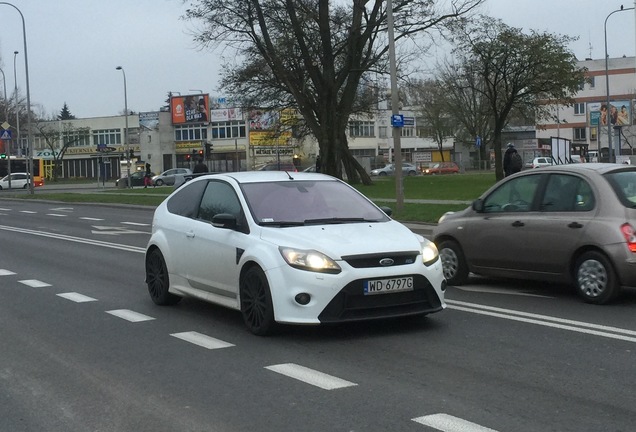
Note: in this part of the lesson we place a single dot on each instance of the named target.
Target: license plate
(387, 286)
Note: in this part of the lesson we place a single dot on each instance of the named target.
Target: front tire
(453, 263)
(256, 302)
(595, 278)
(158, 281)
(159, 183)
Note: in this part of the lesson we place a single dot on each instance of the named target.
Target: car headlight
(429, 252)
(309, 260)
(441, 219)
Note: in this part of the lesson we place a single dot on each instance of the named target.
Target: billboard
(620, 113)
(226, 114)
(190, 109)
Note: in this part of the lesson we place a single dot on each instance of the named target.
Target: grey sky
(74, 47)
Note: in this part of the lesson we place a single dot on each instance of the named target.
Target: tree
(517, 71)
(65, 113)
(58, 141)
(312, 54)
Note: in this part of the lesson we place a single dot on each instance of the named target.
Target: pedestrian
(148, 177)
(512, 162)
(318, 164)
(200, 167)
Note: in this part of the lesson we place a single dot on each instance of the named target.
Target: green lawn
(462, 187)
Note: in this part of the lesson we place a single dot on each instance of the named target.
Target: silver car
(168, 177)
(407, 169)
(18, 181)
(572, 223)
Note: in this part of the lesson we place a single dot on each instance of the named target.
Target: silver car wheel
(450, 262)
(592, 278)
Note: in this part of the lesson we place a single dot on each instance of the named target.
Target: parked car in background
(137, 179)
(19, 180)
(407, 169)
(542, 162)
(441, 168)
(279, 166)
(573, 223)
(168, 177)
(304, 249)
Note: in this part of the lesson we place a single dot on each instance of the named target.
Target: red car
(441, 168)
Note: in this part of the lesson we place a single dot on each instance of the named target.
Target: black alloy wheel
(157, 280)
(256, 302)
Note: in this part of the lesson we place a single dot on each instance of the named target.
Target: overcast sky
(74, 47)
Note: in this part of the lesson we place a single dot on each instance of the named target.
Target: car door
(213, 252)
(566, 207)
(492, 238)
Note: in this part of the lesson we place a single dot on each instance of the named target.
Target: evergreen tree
(65, 113)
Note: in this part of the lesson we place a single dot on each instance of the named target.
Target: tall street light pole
(608, 111)
(17, 106)
(395, 101)
(126, 132)
(28, 95)
(6, 119)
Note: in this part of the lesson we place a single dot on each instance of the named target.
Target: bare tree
(59, 139)
(312, 54)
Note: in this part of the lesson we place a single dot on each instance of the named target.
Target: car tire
(453, 263)
(595, 279)
(157, 280)
(256, 302)
(412, 173)
(381, 173)
(159, 183)
(25, 186)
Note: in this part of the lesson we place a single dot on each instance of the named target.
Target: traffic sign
(397, 120)
(5, 134)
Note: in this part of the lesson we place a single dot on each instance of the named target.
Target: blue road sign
(397, 120)
(5, 134)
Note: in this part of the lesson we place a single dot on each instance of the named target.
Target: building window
(579, 108)
(107, 137)
(382, 130)
(407, 132)
(593, 134)
(361, 129)
(190, 133)
(579, 134)
(591, 81)
(230, 129)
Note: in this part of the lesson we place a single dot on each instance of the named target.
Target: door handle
(190, 234)
(575, 225)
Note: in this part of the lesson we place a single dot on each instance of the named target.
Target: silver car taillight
(630, 236)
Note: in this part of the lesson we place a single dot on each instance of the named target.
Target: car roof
(600, 168)
(268, 176)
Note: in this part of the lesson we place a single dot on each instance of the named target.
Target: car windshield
(624, 184)
(292, 203)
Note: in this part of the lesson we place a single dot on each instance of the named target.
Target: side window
(185, 201)
(513, 196)
(566, 193)
(219, 197)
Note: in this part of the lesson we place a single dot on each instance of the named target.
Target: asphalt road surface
(83, 348)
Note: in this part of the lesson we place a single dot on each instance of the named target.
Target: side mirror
(224, 220)
(387, 210)
(478, 205)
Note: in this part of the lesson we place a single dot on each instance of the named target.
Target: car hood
(337, 240)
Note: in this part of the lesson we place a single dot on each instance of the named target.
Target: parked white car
(18, 181)
(168, 177)
(297, 248)
(542, 161)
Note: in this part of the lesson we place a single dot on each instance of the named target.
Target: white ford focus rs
(296, 248)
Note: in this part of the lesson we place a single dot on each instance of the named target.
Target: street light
(608, 111)
(395, 101)
(28, 95)
(126, 132)
(17, 115)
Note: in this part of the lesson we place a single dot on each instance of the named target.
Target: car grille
(373, 260)
(352, 305)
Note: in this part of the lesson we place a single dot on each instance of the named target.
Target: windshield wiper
(281, 223)
(337, 220)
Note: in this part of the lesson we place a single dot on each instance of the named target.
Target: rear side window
(567, 193)
(185, 201)
(624, 185)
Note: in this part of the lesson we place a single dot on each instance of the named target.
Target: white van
(592, 156)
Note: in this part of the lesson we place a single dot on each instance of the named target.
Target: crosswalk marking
(310, 376)
(34, 283)
(76, 297)
(129, 315)
(4, 272)
(449, 423)
(202, 340)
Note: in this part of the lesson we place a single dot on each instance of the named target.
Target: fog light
(444, 285)
(302, 298)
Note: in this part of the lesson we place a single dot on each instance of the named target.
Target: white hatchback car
(299, 248)
(18, 181)
(541, 162)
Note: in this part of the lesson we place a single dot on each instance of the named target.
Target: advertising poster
(619, 113)
(190, 109)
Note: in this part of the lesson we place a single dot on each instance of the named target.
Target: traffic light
(188, 157)
(201, 155)
(131, 154)
(208, 151)
(3, 156)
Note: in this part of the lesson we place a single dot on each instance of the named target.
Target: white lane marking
(28, 211)
(5, 209)
(135, 223)
(91, 219)
(63, 209)
(34, 283)
(75, 239)
(76, 297)
(58, 215)
(310, 376)
(4, 272)
(544, 320)
(449, 423)
(202, 340)
(129, 315)
(504, 291)
(115, 230)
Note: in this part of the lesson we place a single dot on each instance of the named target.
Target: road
(84, 349)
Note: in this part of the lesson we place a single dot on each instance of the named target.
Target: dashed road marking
(135, 223)
(34, 283)
(5, 209)
(129, 315)
(57, 215)
(77, 297)
(310, 376)
(449, 423)
(4, 272)
(91, 219)
(202, 340)
(28, 211)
